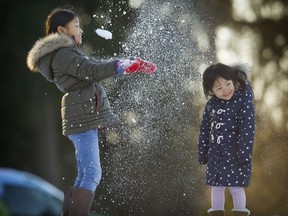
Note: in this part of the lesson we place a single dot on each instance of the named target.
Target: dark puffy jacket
(84, 105)
(226, 139)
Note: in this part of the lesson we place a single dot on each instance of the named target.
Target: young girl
(227, 135)
(85, 107)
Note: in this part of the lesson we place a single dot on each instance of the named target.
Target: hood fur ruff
(46, 45)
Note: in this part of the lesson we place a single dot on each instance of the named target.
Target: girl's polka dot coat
(226, 139)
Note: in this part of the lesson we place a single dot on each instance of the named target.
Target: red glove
(146, 67)
(128, 66)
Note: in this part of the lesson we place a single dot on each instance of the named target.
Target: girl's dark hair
(215, 71)
(58, 17)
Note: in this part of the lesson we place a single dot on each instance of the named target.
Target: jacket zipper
(97, 102)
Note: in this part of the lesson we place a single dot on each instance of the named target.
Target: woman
(85, 107)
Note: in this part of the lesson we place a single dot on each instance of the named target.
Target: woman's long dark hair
(58, 17)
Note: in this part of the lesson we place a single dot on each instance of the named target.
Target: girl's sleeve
(203, 143)
(246, 127)
(82, 67)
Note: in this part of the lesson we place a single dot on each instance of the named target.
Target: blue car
(25, 194)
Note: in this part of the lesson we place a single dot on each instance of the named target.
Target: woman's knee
(94, 173)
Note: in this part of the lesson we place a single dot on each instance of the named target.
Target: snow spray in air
(154, 162)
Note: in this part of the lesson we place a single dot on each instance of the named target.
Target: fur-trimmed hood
(45, 47)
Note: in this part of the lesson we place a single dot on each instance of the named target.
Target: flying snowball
(104, 33)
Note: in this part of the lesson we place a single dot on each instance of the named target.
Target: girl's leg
(88, 159)
(80, 172)
(217, 197)
(239, 197)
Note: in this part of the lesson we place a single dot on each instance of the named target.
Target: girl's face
(223, 89)
(73, 29)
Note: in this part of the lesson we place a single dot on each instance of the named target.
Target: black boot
(80, 202)
(66, 201)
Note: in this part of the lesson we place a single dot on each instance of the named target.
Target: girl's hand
(146, 67)
(128, 66)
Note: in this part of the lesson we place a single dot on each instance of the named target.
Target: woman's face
(223, 89)
(73, 29)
